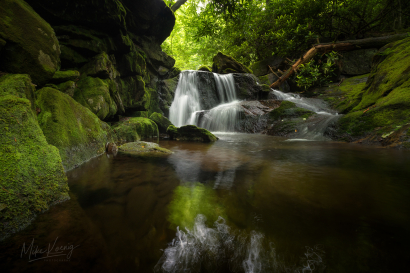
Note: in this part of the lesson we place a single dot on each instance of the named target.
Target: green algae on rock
(142, 148)
(73, 129)
(31, 45)
(204, 68)
(162, 122)
(190, 133)
(32, 177)
(134, 129)
(224, 64)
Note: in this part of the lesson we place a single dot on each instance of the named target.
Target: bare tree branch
(177, 5)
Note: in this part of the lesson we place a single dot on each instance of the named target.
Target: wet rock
(271, 78)
(224, 64)
(31, 45)
(77, 133)
(142, 148)
(166, 93)
(248, 88)
(111, 148)
(190, 133)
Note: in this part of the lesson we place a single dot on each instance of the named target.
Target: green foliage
(312, 74)
(251, 30)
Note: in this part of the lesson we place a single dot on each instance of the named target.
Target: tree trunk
(377, 42)
(177, 5)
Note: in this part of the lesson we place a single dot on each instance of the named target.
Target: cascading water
(186, 107)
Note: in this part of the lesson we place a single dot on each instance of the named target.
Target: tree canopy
(253, 30)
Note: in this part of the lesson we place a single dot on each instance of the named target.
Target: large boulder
(248, 88)
(31, 46)
(357, 62)
(94, 93)
(77, 133)
(142, 148)
(190, 133)
(224, 64)
(261, 68)
(135, 129)
(382, 107)
(31, 174)
(18, 85)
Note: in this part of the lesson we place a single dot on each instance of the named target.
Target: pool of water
(247, 203)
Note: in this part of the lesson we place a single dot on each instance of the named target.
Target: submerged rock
(224, 64)
(31, 46)
(134, 129)
(142, 148)
(190, 133)
(31, 172)
(73, 129)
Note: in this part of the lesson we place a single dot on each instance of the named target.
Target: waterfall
(187, 109)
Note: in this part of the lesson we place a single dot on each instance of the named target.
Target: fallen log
(348, 45)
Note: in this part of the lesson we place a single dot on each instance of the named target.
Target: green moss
(385, 101)
(94, 93)
(77, 133)
(17, 85)
(162, 122)
(134, 129)
(65, 76)
(31, 174)
(32, 47)
(190, 133)
(100, 66)
(67, 88)
(133, 93)
(204, 68)
(142, 114)
(141, 148)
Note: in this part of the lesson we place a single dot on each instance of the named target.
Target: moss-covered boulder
(204, 68)
(65, 76)
(134, 129)
(94, 93)
(162, 122)
(381, 111)
(19, 86)
(31, 45)
(141, 148)
(77, 133)
(31, 174)
(224, 64)
(67, 87)
(101, 66)
(190, 133)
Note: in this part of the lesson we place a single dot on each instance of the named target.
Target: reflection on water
(247, 203)
(218, 249)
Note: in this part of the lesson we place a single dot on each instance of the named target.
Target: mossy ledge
(134, 129)
(190, 133)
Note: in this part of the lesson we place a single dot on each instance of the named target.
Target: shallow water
(247, 203)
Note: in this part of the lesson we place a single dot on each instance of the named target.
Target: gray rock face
(248, 88)
(357, 62)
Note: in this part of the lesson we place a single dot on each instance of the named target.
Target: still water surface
(248, 203)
